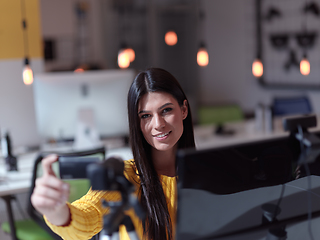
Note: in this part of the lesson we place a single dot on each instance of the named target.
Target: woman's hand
(50, 194)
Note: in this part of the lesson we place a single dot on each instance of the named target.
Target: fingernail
(65, 186)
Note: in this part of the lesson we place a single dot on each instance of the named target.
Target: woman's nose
(159, 122)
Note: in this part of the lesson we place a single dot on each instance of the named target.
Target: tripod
(109, 176)
(270, 211)
(117, 217)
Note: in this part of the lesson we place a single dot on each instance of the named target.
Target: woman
(160, 122)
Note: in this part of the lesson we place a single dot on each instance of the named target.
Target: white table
(12, 183)
(244, 132)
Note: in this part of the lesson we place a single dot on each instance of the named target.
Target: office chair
(219, 114)
(35, 228)
(291, 106)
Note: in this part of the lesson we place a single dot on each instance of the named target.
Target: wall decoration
(288, 31)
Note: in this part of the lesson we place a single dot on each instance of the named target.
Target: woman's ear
(184, 109)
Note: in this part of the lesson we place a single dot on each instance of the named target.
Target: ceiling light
(123, 59)
(171, 38)
(27, 74)
(202, 56)
(257, 68)
(305, 66)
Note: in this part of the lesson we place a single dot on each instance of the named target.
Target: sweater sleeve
(87, 212)
(86, 216)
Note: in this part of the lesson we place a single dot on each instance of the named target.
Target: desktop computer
(227, 192)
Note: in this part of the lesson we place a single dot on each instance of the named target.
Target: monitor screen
(59, 97)
(225, 192)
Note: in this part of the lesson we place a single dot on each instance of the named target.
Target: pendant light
(257, 68)
(126, 54)
(27, 74)
(171, 38)
(257, 65)
(304, 63)
(123, 59)
(131, 54)
(202, 56)
(305, 66)
(123, 56)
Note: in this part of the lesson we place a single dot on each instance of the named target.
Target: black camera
(103, 175)
(108, 175)
(75, 167)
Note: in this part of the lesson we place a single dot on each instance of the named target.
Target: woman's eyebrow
(163, 106)
(142, 111)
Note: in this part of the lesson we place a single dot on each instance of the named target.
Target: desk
(245, 132)
(13, 183)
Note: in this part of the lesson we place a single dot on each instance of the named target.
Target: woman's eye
(167, 110)
(145, 115)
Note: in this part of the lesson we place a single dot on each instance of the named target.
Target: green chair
(219, 114)
(35, 228)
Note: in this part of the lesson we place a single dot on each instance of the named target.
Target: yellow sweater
(87, 212)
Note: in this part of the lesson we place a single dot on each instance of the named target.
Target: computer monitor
(59, 97)
(225, 192)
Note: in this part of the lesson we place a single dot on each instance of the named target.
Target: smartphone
(75, 167)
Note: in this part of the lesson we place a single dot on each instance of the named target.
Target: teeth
(162, 135)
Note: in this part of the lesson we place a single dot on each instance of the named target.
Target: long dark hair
(158, 225)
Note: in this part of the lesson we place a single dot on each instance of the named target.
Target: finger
(45, 205)
(47, 163)
(52, 193)
(41, 202)
(52, 182)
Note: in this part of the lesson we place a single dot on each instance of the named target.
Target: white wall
(230, 36)
(17, 112)
(59, 22)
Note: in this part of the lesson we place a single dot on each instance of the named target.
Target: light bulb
(79, 70)
(171, 38)
(123, 59)
(27, 75)
(202, 57)
(305, 66)
(130, 53)
(257, 68)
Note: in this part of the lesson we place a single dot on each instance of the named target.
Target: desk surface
(18, 182)
(244, 132)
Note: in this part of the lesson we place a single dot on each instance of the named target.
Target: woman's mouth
(161, 136)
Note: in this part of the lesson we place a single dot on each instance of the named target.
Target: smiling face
(161, 119)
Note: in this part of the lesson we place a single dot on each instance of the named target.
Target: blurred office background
(65, 35)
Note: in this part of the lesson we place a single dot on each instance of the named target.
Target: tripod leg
(133, 235)
(114, 236)
(130, 228)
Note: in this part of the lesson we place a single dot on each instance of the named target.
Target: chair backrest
(78, 187)
(291, 106)
(219, 114)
